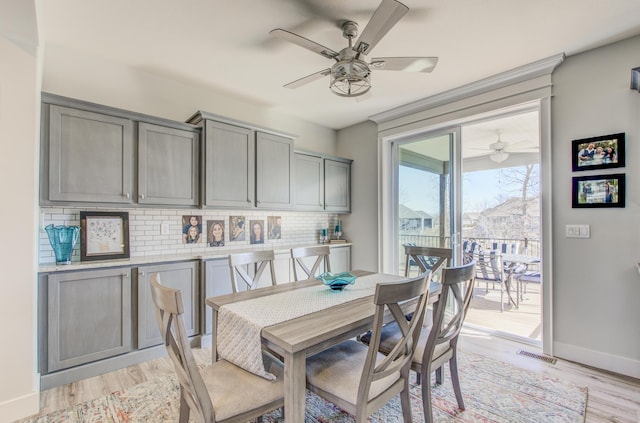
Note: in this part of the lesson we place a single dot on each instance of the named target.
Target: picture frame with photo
(256, 232)
(105, 235)
(603, 152)
(237, 228)
(215, 233)
(597, 191)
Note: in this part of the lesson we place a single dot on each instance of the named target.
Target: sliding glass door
(474, 188)
(426, 201)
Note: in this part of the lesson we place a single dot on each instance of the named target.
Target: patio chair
(490, 268)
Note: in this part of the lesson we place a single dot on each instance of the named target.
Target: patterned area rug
(493, 392)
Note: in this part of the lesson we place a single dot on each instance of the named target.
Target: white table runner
(240, 324)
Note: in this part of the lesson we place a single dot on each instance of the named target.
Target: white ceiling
(225, 45)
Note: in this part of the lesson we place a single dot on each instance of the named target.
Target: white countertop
(220, 252)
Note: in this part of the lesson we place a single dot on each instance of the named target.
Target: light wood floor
(611, 398)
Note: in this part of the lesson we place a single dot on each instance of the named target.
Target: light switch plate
(578, 231)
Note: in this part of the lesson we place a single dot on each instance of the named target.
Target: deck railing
(512, 245)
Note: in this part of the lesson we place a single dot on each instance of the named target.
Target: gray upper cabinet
(89, 316)
(228, 165)
(274, 165)
(309, 182)
(168, 166)
(90, 156)
(182, 276)
(337, 186)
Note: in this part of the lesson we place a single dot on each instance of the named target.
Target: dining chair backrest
(259, 260)
(298, 255)
(428, 259)
(170, 316)
(390, 297)
(448, 318)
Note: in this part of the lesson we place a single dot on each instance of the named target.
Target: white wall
(360, 143)
(90, 78)
(596, 284)
(19, 385)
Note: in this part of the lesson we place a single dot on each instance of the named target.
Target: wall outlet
(578, 231)
(164, 229)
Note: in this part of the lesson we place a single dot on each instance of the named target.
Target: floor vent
(545, 358)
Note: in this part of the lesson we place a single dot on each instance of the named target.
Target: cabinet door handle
(141, 273)
(142, 196)
(128, 195)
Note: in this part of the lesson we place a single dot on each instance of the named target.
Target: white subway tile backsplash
(145, 238)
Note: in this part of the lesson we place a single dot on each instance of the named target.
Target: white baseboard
(613, 363)
(20, 407)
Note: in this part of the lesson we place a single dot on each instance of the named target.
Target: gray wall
(596, 284)
(595, 281)
(360, 143)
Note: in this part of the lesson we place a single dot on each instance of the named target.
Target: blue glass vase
(62, 240)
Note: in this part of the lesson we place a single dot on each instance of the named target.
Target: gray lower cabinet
(340, 259)
(337, 185)
(182, 276)
(217, 281)
(90, 156)
(89, 316)
(168, 165)
(274, 166)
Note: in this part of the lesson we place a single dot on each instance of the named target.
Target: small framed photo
(105, 235)
(256, 235)
(604, 152)
(598, 191)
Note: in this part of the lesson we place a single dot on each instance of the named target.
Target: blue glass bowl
(337, 282)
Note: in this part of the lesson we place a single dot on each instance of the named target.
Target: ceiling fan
(499, 151)
(350, 75)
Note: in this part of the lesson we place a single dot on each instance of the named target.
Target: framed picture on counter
(105, 235)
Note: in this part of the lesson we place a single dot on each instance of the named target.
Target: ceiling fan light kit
(350, 76)
(499, 156)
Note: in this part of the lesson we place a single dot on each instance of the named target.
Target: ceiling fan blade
(304, 42)
(309, 78)
(407, 64)
(384, 18)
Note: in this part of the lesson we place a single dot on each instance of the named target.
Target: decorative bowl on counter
(337, 282)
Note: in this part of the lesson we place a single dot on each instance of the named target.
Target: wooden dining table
(306, 335)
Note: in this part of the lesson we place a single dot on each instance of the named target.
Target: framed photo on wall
(105, 235)
(598, 191)
(603, 152)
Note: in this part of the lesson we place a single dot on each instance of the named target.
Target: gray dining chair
(259, 260)
(358, 378)
(301, 268)
(426, 259)
(438, 343)
(208, 393)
